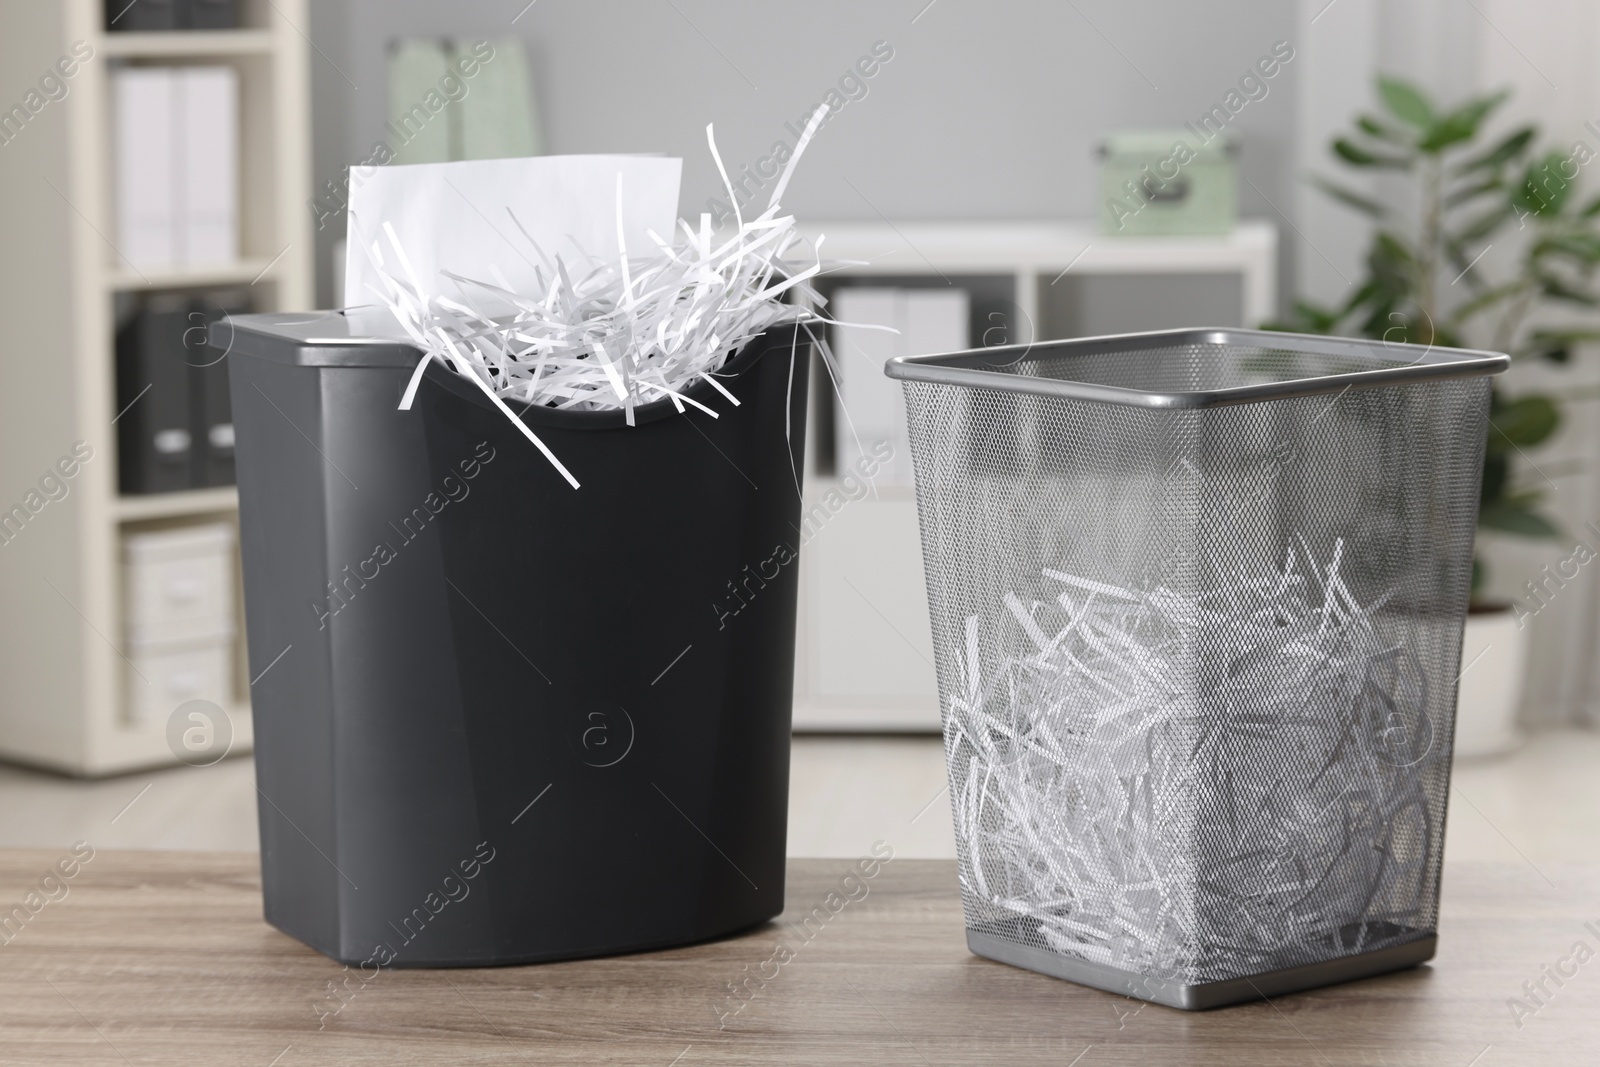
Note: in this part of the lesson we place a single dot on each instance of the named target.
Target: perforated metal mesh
(1213, 780)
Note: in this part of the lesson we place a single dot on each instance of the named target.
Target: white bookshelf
(864, 660)
(63, 696)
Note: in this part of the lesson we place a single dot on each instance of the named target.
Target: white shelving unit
(63, 680)
(865, 654)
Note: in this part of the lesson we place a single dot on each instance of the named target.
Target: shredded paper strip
(1187, 785)
(609, 335)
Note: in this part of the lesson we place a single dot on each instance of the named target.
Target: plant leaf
(1392, 264)
(1513, 517)
(1464, 264)
(1364, 204)
(1319, 319)
(1502, 153)
(1544, 189)
(1496, 469)
(1557, 289)
(1387, 324)
(1450, 130)
(1485, 224)
(1469, 192)
(1584, 247)
(1307, 317)
(1354, 154)
(1406, 102)
(1372, 127)
(1526, 421)
(1556, 345)
(1487, 299)
(1370, 291)
(1460, 125)
(1565, 336)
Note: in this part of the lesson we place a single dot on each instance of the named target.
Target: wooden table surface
(163, 958)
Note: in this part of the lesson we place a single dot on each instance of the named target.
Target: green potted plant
(1426, 283)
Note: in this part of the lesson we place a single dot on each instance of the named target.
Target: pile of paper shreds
(1193, 786)
(612, 335)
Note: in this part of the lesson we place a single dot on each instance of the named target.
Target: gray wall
(987, 110)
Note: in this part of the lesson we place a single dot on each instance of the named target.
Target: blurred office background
(963, 162)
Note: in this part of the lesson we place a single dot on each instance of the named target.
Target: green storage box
(1169, 182)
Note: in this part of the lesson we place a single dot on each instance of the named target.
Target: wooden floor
(162, 958)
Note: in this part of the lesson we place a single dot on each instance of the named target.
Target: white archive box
(178, 583)
(920, 322)
(163, 676)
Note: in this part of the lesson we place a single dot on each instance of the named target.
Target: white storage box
(178, 583)
(165, 675)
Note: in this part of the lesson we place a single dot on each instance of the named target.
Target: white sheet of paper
(453, 216)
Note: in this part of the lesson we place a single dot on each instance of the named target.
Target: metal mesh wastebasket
(1197, 602)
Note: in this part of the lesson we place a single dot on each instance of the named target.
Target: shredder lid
(372, 337)
(352, 337)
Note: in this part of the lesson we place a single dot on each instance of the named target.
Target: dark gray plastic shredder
(498, 719)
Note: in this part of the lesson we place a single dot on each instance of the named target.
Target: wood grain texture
(163, 958)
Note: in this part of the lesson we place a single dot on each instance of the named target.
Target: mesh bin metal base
(1200, 996)
(1196, 602)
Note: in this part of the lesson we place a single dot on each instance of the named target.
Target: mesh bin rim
(976, 368)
